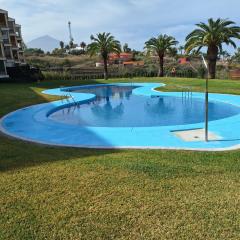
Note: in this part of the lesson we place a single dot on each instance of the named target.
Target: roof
(3, 11)
(11, 19)
(121, 55)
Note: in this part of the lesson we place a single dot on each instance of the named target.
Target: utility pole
(206, 100)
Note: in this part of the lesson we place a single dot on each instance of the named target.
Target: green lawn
(66, 193)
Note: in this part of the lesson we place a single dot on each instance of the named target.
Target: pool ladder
(69, 99)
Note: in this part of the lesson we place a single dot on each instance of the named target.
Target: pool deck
(32, 124)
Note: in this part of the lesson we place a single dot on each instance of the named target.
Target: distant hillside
(46, 43)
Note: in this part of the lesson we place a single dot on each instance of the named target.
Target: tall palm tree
(104, 44)
(160, 46)
(212, 36)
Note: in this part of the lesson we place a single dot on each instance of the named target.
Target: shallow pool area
(126, 115)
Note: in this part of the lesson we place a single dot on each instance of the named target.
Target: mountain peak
(46, 43)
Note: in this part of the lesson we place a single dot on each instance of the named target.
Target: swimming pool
(126, 116)
(117, 106)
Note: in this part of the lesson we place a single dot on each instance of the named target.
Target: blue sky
(132, 21)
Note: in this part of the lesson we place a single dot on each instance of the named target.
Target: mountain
(46, 43)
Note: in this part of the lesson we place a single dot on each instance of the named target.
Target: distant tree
(236, 56)
(225, 55)
(137, 55)
(212, 35)
(104, 44)
(58, 51)
(33, 51)
(71, 44)
(181, 49)
(126, 49)
(61, 43)
(173, 52)
(160, 46)
(77, 52)
(67, 47)
(195, 53)
(83, 45)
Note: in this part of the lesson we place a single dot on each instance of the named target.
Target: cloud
(132, 21)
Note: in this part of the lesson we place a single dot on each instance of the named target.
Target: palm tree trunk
(212, 54)
(161, 63)
(212, 68)
(105, 68)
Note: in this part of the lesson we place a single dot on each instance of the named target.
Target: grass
(66, 193)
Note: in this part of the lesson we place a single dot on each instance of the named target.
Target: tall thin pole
(206, 100)
(206, 110)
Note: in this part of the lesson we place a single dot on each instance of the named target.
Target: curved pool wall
(32, 124)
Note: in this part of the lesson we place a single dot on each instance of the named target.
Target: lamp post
(206, 100)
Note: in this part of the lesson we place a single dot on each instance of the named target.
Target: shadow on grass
(17, 154)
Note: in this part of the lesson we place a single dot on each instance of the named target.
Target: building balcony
(17, 60)
(8, 53)
(6, 42)
(14, 48)
(5, 35)
(9, 57)
(13, 42)
(12, 33)
(18, 35)
(3, 25)
(3, 74)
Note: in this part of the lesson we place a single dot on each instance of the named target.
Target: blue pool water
(116, 106)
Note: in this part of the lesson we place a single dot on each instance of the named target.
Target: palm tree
(126, 49)
(83, 45)
(71, 44)
(173, 52)
(104, 44)
(225, 55)
(195, 53)
(61, 43)
(160, 46)
(181, 48)
(236, 56)
(212, 36)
